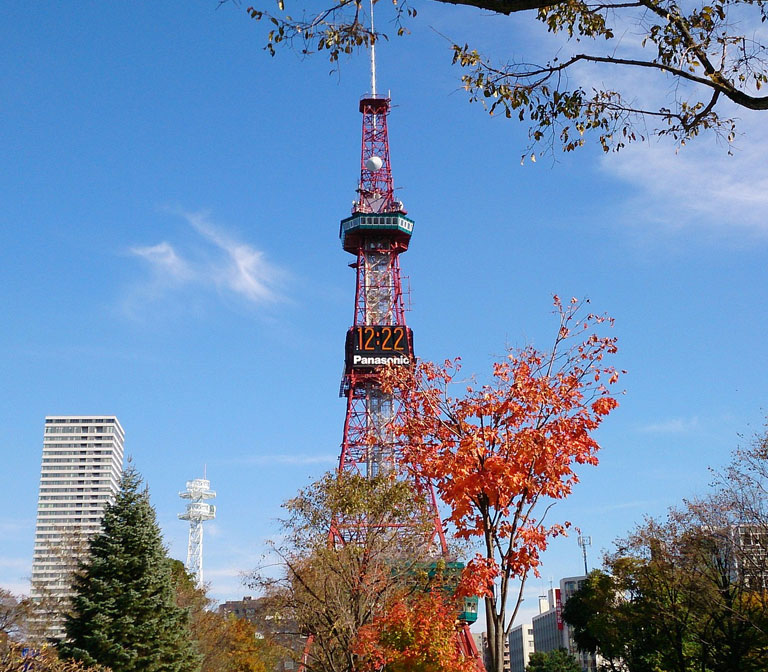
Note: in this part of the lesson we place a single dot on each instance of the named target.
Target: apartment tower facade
(81, 468)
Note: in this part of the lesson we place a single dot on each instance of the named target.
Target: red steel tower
(376, 233)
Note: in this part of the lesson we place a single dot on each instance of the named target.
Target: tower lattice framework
(376, 234)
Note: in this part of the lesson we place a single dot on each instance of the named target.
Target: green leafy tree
(558, 660)
(678, 596)
(655, 619)
(351, 546)
(609, 616)
(702, 60)
(690, 571)
(124, 613)
(689, 592)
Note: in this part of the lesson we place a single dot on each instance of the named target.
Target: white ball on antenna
(374, 163)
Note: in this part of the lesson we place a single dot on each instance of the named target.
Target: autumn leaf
(498, 454)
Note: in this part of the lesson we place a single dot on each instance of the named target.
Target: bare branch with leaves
(702, 52)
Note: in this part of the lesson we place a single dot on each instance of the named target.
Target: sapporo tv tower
(376, 233)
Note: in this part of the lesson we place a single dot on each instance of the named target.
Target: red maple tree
(414, 635)
(501, 454)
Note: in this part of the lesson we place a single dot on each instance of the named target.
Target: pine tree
(124, 613)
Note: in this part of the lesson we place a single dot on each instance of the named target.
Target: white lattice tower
(198, 490)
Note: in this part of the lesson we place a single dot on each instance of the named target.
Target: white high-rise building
(81, 469)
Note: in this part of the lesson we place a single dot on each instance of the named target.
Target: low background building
(283, 631)
(245, 608)
(520, 647)
(547, 631)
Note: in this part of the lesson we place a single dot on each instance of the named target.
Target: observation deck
(393, 225)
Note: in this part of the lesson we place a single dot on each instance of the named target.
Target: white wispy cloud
(245, 270)
(213, 259)
(212, 529)
(672, 426)
(695, 188)
(227, 582)
(164, 260)
(700, 187)
(14, 573)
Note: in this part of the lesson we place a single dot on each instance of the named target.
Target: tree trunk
(495, 630)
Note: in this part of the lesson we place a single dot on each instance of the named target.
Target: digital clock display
(377, 345)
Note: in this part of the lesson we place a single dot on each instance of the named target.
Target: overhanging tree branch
(700, 45)
(502, 6)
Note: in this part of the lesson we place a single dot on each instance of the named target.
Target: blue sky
(169, 254)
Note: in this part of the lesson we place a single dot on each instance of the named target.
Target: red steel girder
(376, 188)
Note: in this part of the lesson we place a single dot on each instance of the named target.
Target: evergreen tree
(124, 613)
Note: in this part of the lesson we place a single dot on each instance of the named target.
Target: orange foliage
(478, 577)
(413, 636)
(497, 450)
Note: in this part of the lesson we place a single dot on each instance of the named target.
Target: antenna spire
(585, 541)
(373, 55)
